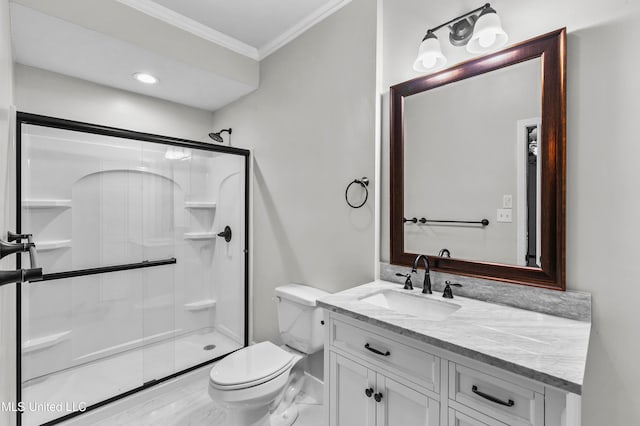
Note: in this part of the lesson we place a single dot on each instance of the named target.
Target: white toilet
(257, 384)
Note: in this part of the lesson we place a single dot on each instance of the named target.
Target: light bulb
(487, 39)
(429, 62)
(430, 55)
(487, 33)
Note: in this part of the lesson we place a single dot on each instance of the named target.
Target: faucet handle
(444, 253)
(448, 293)
(408, 285)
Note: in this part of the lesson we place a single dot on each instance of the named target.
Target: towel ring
(364, 183)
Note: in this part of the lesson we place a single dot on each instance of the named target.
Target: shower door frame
(78, 126)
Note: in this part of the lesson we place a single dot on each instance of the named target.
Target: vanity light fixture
(480, 33)
(146, 78)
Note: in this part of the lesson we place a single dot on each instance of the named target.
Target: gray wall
(7, 183)
(311, 128)
(602, 171)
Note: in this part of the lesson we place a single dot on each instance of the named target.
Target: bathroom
(312, 107)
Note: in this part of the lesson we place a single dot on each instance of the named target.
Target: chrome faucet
(444, 253)
(426, 285)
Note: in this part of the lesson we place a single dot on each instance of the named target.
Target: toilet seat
(251, 366)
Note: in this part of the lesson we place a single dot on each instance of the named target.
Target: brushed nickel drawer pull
(375, 351)
(475, 390)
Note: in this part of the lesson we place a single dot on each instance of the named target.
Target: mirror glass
(472, 168)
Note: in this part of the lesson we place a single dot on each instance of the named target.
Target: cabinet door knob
(378, 397)
(368, 392)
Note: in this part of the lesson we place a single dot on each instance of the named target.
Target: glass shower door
(143, 246)
(210, 298)
(80, 194)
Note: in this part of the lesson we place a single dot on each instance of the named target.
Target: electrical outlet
(507, 201)
(504, 216)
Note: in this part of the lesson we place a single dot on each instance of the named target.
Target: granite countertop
(545, 348)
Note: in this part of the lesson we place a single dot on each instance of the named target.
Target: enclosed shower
(143, 244)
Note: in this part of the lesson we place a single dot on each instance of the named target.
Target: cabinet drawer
(457, 418)
(504, 400)
(411, 363)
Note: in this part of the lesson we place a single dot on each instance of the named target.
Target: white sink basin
(412, 304)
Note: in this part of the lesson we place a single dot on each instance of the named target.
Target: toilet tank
(299, 319)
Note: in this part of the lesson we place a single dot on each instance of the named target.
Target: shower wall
(97, 201)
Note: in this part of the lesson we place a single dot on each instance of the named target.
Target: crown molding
(168, 16)
(302, 26)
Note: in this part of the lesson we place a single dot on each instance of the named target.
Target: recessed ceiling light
(143, 77)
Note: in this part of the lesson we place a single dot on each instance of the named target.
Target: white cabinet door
(351, 394)
(398, 404)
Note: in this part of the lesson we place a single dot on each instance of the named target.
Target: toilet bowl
(249, 381)
(256, 385)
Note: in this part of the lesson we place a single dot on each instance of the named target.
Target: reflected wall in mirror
(477, 166)
(472, 136)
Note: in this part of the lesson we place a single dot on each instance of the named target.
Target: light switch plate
(507, 201)
(504, 216)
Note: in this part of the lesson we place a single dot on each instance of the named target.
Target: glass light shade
(430, 55)
(488, 34)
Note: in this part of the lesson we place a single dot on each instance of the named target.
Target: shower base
(77, 387)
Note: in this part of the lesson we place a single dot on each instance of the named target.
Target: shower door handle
(226, 234)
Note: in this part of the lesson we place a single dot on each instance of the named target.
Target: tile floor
(184, 403)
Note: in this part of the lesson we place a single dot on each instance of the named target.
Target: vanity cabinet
(457, 418)
(377, 377)
(362, 396)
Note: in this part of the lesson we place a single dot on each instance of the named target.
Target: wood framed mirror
(478, 166)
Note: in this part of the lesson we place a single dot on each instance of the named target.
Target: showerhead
(218, 136)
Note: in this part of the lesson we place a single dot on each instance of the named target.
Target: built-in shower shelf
(52, 245)
(200, 205)
(46, 204)
(44, 342)
(199, 236)
(200, 305)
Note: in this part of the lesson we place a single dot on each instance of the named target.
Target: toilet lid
(251, 365)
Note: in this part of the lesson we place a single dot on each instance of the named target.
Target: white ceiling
(257, 23)
(50, 43)
(76, 43)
